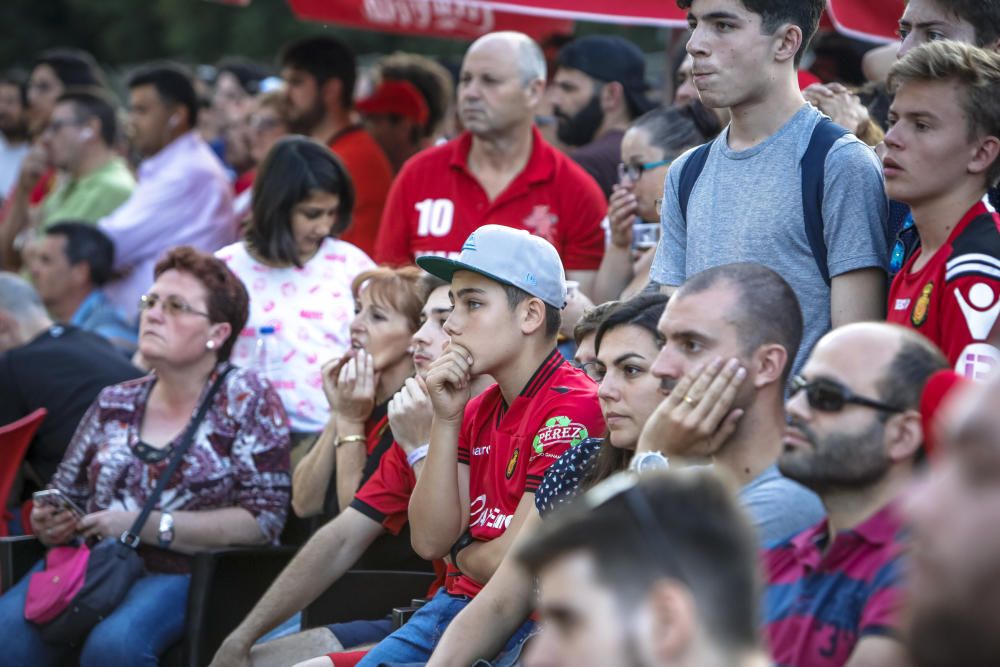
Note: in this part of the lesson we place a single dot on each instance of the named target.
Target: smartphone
(58, 499)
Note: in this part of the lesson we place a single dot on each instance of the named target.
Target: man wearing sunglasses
(854, 437)
(655, 573)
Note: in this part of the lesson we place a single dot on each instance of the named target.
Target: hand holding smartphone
(59, 500)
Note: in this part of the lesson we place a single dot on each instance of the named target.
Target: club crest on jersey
(919, 313)
(557, 430)
(512, 464)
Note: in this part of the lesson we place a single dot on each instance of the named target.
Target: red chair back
(14, 440)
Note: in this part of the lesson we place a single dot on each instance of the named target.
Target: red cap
(939, 387)
(396, 97)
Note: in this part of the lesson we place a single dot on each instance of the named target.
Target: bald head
(524, 50)
(895, 360)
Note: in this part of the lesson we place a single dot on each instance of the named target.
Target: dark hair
(72, 67)
(427, 284)
(325, 58)
(16, 77)
(227, 297)
(294, 168)
(773, 13)
(643, 311)
(671, 129)
(398, 289)
(86, 243)
(767, 310)
(173, 84)
(93, 103)
(247, 74)
(916, 360)
(553, 316)
(590, 320)
(687, 527)
(430, 78)
(982, 15)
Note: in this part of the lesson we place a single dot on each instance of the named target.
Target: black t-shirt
(600, 159)
(62, 370)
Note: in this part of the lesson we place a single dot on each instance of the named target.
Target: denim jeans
(415, 641)
(148, 621)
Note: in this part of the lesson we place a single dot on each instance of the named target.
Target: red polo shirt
(436, 202)
(508, 449)
(954, 299)
(371, 174)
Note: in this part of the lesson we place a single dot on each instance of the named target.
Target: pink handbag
(51, 590)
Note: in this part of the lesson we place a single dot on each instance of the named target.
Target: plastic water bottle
(265, 350)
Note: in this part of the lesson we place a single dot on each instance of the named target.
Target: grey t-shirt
(780, 507)
(747, 207)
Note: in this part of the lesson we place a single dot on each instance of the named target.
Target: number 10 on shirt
(435, 217)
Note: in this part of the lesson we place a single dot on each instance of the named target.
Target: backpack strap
(824, 136)
(689, 175)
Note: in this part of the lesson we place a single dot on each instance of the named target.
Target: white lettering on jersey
(488, 518)
(977, 361)
(901, 304)
(981, 309)
(436, 217)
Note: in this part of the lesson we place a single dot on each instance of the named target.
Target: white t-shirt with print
(311, 310)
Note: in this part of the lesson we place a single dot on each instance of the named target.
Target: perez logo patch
(512, 464)
(919, 313)
(558, 430)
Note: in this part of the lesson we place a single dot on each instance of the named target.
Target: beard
(580, 128)
(303, 122)
(838, 461)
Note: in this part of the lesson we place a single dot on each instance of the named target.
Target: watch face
(651, 461)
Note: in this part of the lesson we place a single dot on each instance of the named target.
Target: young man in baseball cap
(488, 455)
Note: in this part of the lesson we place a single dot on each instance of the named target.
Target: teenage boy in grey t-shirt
(746, 205)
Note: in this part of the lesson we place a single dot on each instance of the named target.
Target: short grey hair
(530, 59)
(19, 298)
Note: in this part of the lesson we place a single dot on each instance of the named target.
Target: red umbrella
(438, 18)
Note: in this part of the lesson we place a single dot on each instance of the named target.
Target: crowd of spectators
(706, 383)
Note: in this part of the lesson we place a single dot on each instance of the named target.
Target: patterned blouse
(239, 457)
(562, 480)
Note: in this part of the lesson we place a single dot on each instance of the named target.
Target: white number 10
(435, 217)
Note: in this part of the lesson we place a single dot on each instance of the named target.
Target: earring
(210, 345)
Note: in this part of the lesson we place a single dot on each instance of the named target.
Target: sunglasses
(172, 305)
(831, 396)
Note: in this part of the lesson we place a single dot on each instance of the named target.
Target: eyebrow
(715, 16)
(923, 24)
(440, 311)
(625, 357)
(469, 290)
(697, 335)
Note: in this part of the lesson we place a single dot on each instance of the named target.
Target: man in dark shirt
(60, 368)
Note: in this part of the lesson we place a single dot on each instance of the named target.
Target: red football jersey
(508, 449)
(371, 175)
(436, 202)
(385, 497)
(955, 298)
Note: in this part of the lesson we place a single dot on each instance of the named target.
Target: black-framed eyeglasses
(172, 305)
(831, 396)
(625, 485)
(634, 171)
(594, 369)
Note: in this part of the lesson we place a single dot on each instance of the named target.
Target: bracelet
(343, 440)
(418, 454)
(463, 541)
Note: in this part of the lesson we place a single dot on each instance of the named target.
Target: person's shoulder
(341, 251)
(234, 252)
(431, 157)
(979, 241)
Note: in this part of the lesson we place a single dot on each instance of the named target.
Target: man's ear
(332, 94)
(769, 364)
(534, 92)
(788, 39)
(985, 155)
(80, 273)
(674, 621)
(532, 315)
(904, 435)
(612, 96)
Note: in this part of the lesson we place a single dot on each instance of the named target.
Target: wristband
(417, 455)
(465, 540)
(343, 440)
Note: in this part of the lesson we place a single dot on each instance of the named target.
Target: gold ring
(689, 400)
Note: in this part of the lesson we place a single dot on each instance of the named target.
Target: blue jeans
(415, 641)
(148, 621)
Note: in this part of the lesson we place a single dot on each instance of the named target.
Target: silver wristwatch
(647, 461)
(166, 534)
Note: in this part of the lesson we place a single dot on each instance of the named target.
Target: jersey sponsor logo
(542, 222)
(436, 217)
(901, 304)
(483, 450)
(980, 306)
(493, 517)
(919, 313)
(559, 430)
(512, 464)
(977, 361)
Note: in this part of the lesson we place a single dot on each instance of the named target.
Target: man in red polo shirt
(500, 171)
(487, 455)
(941, 157)
(319, 74)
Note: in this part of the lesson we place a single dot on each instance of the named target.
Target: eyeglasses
(172, 306)
(625, 485)
(634, 171)
(831, 396)
(595, 370)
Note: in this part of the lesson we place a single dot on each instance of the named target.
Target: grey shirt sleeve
(855, 208)
(669, 262)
